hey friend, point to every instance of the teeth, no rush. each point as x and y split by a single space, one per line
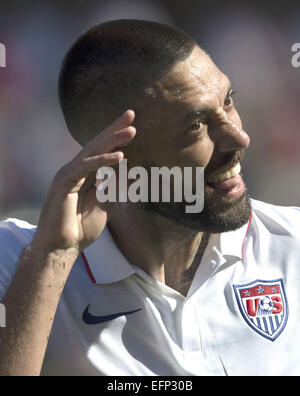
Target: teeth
225 175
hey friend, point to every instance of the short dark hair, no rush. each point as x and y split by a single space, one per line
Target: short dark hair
104 70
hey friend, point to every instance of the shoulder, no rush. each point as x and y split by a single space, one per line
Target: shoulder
15 235
16 229
277 219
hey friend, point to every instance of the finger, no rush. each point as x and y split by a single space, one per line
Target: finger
123 121
120 123
87 165
111 142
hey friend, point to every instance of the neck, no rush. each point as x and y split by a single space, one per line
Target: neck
167 252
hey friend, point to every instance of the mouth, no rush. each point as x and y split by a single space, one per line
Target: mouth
227 183
217 177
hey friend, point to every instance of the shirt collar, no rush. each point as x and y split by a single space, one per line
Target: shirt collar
106 263
232 243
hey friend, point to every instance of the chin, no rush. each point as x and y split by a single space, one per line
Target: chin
224 215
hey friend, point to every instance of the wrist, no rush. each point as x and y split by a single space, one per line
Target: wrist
59 261
48 249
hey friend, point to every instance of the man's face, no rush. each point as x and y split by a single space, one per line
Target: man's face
189 120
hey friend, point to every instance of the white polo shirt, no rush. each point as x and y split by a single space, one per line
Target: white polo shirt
240 317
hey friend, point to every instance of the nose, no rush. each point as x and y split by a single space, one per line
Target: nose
228 134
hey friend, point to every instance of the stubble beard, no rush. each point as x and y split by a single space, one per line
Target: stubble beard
219 214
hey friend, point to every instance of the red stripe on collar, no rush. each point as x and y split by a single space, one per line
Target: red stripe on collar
86 263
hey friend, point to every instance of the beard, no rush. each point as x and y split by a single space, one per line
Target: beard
219 214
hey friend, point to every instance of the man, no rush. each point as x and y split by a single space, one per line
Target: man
147 289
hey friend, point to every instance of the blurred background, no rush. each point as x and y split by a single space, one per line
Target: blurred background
250 41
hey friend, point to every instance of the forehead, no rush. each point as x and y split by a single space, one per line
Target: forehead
192 86
196 76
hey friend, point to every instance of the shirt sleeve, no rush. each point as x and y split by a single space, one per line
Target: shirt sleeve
15 235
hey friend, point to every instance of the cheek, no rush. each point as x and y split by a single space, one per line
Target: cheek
147 151
198 154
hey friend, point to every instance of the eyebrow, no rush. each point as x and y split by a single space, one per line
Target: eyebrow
203 111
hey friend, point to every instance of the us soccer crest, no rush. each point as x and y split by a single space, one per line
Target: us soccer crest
263 305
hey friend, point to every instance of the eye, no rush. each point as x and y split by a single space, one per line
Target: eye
229 100
197 126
